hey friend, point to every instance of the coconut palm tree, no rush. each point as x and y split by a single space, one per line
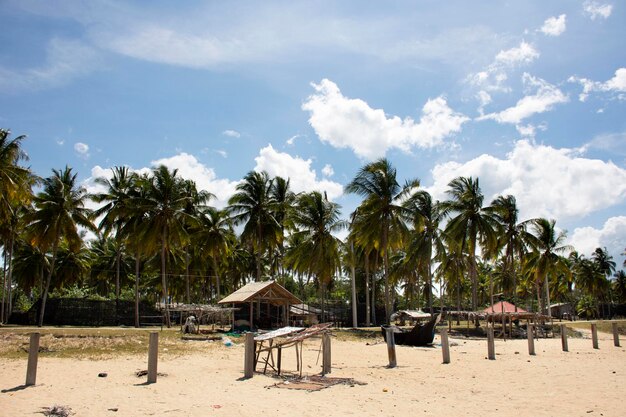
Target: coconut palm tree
472 225
165 202
252 205
619 285
318 250
381 211
545 262
59 210
283 203
426 235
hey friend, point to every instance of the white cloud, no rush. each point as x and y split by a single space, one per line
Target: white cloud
526 130
617 84
554 26
547 182
231 133
328 170
595 9
351 123
612 235
206 179
298 170
82 149
545 97
65 60
222 153
495 75
292 139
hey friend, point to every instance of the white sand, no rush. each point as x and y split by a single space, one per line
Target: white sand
581 382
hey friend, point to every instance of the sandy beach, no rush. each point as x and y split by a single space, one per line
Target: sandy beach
581 382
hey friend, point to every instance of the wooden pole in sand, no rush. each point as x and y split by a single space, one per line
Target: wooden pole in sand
491 347
594 335
391 347
564 338
615 334
33 355
248 361
326 354
153 357
445 347
531 339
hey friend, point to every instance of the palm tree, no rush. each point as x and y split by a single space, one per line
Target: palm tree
165 202
252 206
513 237
59 209
115 210
619 285
318 250
283 202
545 261
604 261
472 225
381 210
216 238
425 236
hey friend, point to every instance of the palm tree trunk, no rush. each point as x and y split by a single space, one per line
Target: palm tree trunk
137 289
4 284
10 279
458 300
386 274
353 286
44 297
217 279
429 279
367 292
548 313
187 275
164 284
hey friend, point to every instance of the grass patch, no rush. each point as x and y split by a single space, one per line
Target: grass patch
604 326
98 343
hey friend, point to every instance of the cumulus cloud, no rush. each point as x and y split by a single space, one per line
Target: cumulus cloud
545 97
231 133
298 170
554 26
616 85
495 75
547 182
612 235
351 123
595 10
65 60
82 149
328 170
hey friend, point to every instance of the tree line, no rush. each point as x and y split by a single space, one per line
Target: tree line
159 238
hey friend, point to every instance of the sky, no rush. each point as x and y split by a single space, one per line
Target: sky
529 97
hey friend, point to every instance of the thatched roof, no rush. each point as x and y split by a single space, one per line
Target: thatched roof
266 292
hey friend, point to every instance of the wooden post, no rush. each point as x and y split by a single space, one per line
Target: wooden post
594 335
615 334
248 362
445 347
564 338
326 354
531 339
491 347
391 347
153 355
33 355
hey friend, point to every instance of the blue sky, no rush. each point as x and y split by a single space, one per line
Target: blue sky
528 96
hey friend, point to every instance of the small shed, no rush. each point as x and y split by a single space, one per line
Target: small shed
304 314
411 316
504 307
562 310
268 303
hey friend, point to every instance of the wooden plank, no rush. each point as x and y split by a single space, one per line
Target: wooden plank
279 359
153 351
615 334
491 348
33 356
248 361
445 347
391 347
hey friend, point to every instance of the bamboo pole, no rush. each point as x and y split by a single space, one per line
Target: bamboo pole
248 363
564 338
33 356
391 347
153 352
594 335
615 334
445 347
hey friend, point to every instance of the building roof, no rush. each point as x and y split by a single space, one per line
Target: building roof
411 314
268 292
303 310
503 306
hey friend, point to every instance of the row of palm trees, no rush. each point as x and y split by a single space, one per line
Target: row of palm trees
157 233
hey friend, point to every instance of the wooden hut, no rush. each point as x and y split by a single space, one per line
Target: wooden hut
267 304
